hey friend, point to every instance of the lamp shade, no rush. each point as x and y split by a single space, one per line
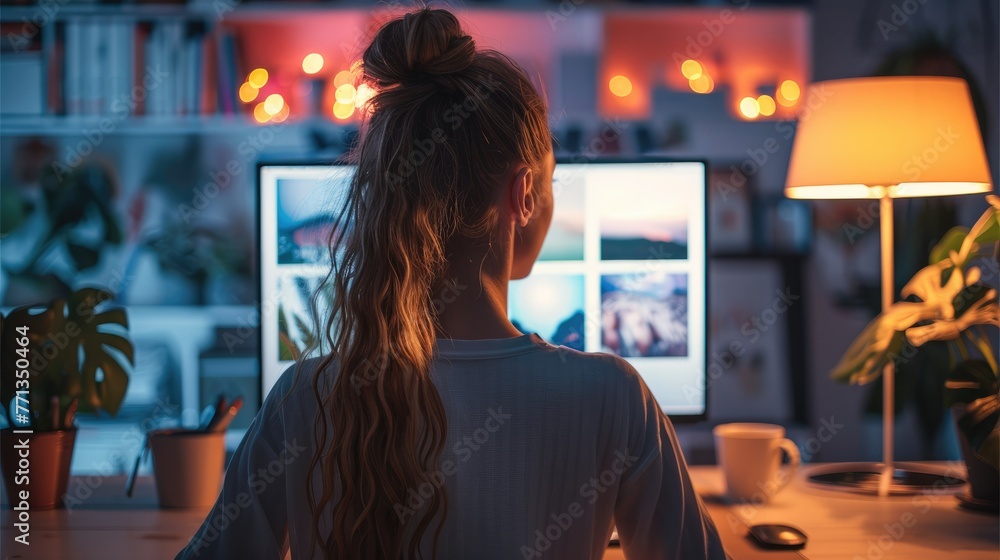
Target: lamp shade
895 136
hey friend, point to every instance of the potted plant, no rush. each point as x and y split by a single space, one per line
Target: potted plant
57 358
948 300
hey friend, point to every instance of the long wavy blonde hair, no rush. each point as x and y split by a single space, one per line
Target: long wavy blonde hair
446 123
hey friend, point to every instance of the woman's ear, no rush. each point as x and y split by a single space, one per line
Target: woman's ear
522 196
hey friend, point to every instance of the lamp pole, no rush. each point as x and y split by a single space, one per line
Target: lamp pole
889 371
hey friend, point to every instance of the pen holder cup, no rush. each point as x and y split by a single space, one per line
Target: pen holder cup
188 466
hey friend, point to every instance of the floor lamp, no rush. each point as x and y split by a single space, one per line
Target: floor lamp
885 138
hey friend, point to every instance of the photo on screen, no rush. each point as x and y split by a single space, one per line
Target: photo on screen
642 221
296 330
564 241
305 212
550 305
644 314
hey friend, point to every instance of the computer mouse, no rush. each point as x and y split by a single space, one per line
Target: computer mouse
778 536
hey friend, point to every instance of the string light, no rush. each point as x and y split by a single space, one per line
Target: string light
702 84
248 93
312 63
692 69
343 110
343 77
273 104
788 93
766 105
257 78
620 86
346 94
749 107
259 114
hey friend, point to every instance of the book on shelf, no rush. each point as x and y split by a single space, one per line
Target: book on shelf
22 70
123 68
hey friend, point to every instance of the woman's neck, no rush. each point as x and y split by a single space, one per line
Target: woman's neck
472 300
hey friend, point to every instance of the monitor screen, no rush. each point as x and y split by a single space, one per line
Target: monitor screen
622 270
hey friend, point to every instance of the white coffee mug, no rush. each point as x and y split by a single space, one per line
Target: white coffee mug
750 456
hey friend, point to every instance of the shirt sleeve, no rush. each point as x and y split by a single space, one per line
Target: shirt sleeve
657 512
250 517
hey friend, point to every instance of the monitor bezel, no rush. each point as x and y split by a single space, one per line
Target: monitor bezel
560 159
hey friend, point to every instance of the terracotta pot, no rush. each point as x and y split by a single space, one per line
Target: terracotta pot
47 466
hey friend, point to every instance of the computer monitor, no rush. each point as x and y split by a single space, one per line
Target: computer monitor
622 270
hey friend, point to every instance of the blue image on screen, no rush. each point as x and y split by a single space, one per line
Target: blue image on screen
305 214
550 305
644 314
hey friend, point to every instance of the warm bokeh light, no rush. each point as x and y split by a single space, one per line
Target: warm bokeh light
260 114
620 86
273 104
343 77
788 93
282 114
248 93
702 84
691 69
749 107
257 78
365 93
766 105
345 94
343 110
312 63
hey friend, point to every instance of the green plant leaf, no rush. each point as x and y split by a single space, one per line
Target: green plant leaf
878 343
115 316
112 388
991 230
951 241
970 381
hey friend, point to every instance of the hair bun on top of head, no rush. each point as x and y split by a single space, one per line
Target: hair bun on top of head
426 46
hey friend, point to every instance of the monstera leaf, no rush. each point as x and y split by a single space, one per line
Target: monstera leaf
100 332
77 353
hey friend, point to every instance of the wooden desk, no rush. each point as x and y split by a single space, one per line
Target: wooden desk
840 526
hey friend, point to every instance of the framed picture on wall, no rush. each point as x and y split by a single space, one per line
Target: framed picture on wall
748 325
730 219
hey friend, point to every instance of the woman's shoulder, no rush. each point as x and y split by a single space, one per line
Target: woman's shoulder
298 381
599 366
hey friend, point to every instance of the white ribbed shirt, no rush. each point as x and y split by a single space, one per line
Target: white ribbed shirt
547 449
